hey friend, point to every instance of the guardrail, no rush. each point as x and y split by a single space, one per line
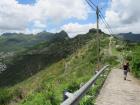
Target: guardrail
73 99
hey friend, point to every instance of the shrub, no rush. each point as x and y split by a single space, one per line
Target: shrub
73 87
119 48
87 100
5 96
136 67
111 60
36 99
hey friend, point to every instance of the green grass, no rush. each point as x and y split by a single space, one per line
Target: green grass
54 80
46 87
114 52
135 62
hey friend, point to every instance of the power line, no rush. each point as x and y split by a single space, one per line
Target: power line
105 22
109 29
93 4
106 26
101 15
94 8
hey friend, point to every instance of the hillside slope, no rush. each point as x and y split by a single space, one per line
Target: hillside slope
41 74
14 42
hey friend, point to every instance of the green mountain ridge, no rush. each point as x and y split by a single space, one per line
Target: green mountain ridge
131 37
14 42
40 74
32 60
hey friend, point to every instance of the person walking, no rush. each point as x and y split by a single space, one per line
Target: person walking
126 70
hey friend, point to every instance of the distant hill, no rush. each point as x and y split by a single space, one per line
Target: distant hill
129 37
16 42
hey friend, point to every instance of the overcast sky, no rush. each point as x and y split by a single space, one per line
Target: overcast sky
73 16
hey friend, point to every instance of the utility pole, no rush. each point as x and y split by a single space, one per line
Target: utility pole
110 45
98 39
96 8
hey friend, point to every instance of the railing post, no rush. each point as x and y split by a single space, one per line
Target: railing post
64 95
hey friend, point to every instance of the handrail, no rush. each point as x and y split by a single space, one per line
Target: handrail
75 97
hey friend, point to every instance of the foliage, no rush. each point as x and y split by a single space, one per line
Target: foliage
72 87
37 58
112 60
87 100
136 61
40 74
36 99
5 96
14 42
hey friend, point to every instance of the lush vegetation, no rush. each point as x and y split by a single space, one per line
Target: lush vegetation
130 53
135 62
14 42
39 75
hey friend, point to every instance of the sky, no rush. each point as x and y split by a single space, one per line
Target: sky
73 16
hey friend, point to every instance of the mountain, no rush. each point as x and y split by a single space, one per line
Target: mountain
34 59
40 74
129 37
16 42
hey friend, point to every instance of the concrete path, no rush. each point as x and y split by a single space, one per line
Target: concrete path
117 91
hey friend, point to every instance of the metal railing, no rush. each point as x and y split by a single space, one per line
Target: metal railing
73 99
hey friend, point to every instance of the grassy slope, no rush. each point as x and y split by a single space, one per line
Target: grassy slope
59 79
47 86
36 59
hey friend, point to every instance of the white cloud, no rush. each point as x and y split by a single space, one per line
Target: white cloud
75 28
124 16
16 17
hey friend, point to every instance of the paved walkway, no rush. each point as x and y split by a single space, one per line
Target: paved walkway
116 91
